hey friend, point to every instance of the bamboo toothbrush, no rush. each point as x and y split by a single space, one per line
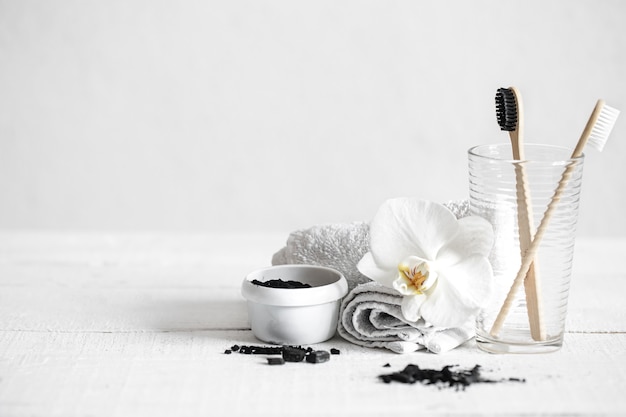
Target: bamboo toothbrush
596 134
510 114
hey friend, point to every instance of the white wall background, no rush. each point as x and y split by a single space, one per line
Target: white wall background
277 115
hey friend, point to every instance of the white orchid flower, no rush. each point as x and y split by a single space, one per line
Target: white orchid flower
438 263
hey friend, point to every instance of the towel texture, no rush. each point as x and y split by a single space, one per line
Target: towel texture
338 246
371 313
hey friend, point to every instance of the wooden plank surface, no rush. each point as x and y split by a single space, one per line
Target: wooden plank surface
187 373
136 325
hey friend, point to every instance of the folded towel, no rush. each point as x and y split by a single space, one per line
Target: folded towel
371 316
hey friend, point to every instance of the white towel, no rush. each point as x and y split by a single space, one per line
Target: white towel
338 246
371 316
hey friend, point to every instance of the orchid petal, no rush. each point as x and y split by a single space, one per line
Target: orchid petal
472 277
461 290
407 227
475 237
411 306
436 262
368 267
444 307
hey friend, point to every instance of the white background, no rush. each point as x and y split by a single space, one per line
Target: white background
277 115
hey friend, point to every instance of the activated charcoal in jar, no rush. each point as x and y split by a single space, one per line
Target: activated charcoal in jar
279 283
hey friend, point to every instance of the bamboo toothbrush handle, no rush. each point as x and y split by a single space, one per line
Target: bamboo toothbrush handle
526 226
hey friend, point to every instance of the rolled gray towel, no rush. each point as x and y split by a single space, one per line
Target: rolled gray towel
371 316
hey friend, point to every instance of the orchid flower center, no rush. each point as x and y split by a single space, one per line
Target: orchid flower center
415 276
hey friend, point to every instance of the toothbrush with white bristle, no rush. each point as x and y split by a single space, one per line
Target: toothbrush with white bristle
596 134
598 128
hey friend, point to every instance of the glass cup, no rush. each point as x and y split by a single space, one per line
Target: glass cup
533 208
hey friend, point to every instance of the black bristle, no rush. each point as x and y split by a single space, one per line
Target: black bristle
506 109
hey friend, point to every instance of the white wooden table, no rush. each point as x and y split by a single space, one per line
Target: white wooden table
137 325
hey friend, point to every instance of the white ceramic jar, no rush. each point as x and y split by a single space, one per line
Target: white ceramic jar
294 316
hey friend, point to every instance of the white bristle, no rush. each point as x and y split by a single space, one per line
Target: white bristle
602 127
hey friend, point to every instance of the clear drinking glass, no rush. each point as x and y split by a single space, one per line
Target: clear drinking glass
514 196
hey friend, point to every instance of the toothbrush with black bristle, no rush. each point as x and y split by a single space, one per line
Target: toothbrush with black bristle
596 134
509 112
510 115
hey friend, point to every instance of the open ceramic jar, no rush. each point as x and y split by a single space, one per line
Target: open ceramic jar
294 316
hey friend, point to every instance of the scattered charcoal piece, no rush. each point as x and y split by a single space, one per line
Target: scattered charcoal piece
414 372
442 378
275 361
387 365
268 350
288 353
293 354
401 377
279 283
260 350
318 356
245 350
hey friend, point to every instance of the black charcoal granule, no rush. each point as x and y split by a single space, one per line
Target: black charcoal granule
318 356
279 283
288 353
445 377
293 354
275 361
260 350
